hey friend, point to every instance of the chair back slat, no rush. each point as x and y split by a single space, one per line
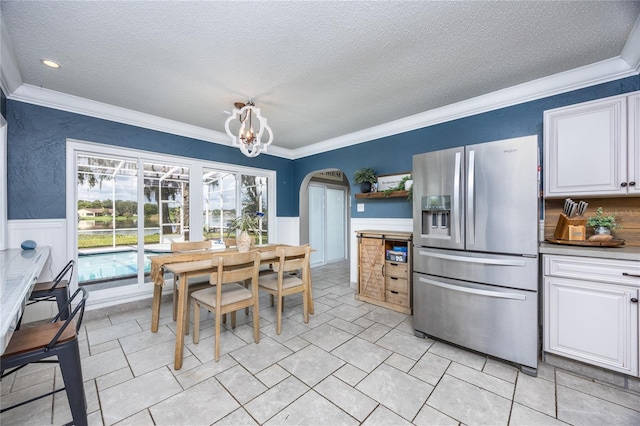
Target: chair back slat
68 268
78 312
234 267
293 258
190 245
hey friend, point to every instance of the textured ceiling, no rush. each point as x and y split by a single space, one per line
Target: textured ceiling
318 70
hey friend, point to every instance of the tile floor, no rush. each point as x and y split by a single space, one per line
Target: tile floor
353 363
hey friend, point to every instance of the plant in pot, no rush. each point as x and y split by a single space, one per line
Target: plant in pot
365 177
603 224
248 222
402 186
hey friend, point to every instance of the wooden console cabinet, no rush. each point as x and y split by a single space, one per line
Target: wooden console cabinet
380 281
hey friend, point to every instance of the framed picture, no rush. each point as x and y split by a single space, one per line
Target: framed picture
390 181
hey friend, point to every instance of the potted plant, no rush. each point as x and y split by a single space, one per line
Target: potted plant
244 224
365 177
602 224
405 184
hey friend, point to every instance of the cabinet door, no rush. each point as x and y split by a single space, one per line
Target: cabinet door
633 151
585 150
371 278
592 322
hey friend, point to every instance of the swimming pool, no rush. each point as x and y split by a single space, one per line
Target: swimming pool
110 265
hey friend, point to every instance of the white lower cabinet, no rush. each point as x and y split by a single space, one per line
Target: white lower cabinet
591 311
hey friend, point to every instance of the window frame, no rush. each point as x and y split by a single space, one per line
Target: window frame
196 222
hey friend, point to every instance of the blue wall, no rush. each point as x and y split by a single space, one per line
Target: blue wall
36 157
394 154
36 151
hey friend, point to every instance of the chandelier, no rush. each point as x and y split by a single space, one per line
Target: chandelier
248 139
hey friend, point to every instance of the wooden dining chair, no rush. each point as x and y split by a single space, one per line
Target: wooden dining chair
227 294
195 283
292 267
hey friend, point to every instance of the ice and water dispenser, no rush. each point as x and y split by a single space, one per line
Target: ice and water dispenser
436 214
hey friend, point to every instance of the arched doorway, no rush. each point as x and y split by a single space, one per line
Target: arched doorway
324 197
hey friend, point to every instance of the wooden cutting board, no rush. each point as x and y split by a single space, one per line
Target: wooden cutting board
609 243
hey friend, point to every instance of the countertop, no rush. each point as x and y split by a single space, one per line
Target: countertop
19 270
623 252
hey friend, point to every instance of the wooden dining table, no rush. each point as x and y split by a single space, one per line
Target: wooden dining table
192 264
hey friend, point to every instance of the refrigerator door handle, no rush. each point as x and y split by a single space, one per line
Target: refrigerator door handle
471 214
457 214
479 292
469 259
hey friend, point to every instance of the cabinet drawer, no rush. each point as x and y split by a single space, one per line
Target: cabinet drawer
396 269
401 285
397 298
593 269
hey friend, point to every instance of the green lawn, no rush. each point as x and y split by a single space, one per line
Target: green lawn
91 241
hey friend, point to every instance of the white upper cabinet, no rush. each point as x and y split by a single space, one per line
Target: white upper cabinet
591 149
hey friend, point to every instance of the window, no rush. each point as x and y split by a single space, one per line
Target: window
128 205
254 199
220 203
166 202
107 210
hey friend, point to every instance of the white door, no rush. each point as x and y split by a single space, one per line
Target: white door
336 224
327 223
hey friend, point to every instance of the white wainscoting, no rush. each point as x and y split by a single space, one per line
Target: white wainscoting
45 232
52 232
288 230
383 224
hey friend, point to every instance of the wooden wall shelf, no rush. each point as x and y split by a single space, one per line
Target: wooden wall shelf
394 194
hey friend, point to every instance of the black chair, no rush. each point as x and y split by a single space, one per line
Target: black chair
55 339
57 289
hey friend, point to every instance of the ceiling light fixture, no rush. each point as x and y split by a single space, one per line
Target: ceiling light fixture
247 139
50 63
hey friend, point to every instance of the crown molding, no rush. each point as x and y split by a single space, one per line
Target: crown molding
625 65
10 78
601 72
631 50
61 101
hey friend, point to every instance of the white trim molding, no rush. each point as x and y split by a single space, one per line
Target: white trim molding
625 65
10 78
3 184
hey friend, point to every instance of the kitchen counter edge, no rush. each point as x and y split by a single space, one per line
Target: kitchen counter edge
619 253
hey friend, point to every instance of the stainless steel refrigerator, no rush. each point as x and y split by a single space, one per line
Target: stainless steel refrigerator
475 260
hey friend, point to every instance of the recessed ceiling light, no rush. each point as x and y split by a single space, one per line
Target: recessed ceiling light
50 63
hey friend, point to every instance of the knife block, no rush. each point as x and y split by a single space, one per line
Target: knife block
562 228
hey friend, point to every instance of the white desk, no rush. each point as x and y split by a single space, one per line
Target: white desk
19 270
